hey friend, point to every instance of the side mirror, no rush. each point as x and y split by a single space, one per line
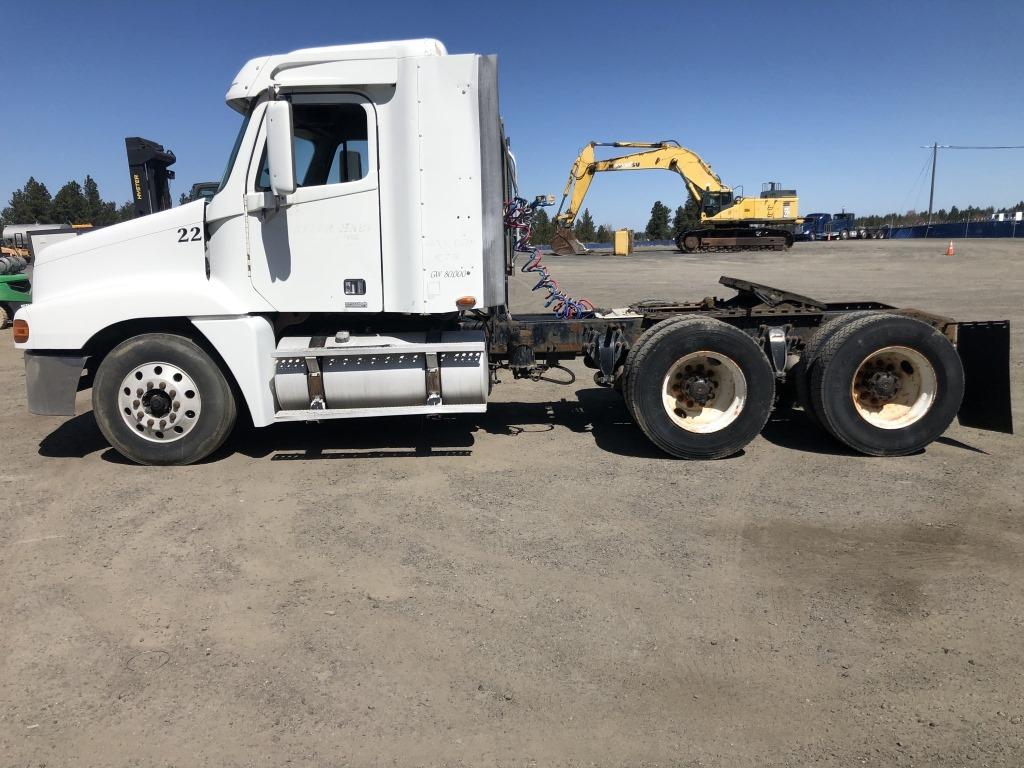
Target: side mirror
280 154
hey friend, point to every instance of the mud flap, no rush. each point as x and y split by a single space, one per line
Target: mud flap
984 349
52 381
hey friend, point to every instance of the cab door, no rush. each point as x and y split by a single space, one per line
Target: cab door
318 249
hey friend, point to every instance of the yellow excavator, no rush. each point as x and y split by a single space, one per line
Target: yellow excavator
729 221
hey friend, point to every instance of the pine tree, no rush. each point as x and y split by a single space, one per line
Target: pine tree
603 235
686 217
584 229
658 227
93 201
69 206
30 204
542 229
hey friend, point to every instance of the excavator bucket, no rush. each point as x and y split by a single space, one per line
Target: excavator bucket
564 243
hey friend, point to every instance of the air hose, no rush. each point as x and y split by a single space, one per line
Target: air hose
519 219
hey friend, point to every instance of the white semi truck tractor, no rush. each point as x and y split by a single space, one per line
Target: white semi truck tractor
354 263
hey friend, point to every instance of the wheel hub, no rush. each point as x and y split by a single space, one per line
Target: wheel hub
699 388
894 387
159 402
883 384
704 392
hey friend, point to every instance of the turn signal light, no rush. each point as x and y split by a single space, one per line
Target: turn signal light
465 302
20 331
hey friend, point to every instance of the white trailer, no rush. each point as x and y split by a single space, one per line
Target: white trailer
354 263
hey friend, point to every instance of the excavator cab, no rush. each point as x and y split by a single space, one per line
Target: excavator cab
713 203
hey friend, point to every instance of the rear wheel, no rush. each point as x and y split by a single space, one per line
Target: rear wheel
887 385
698 388
5 317
161 399
804 368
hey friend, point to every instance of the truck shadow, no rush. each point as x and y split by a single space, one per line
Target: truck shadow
793 429
596 411
599 412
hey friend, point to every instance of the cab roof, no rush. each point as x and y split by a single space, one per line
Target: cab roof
259 74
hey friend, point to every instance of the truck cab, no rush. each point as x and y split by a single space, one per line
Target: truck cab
829 226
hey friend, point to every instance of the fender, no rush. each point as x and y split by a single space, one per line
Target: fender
245 345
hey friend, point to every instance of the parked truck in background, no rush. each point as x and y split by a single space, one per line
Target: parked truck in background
836 226
354 262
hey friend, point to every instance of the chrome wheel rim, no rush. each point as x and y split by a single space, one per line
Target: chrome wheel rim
704 392
159 402
894 387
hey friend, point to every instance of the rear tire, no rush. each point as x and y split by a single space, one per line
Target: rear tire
698 388
887 385
161 399
804 368
5 317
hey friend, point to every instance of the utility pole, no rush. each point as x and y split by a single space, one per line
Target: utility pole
931 196
934 147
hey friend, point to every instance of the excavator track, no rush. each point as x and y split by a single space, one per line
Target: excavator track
718 240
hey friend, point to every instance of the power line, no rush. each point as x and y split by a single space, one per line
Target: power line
935 147
965 146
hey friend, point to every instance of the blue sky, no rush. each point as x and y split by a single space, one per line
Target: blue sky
834 100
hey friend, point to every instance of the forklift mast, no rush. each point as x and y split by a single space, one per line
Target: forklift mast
148 163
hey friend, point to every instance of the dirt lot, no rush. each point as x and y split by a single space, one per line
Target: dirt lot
534 586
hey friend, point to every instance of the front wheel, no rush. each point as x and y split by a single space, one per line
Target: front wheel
698 388
161 399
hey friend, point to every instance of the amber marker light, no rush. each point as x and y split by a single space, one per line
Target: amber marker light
20 331
465 302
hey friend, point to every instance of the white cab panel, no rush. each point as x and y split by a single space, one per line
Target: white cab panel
301 254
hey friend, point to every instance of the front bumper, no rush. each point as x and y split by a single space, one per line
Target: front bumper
52 380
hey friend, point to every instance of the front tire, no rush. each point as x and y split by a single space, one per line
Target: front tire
887 385
161 399
698 388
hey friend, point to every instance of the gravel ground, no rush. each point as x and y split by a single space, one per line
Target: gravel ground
533 586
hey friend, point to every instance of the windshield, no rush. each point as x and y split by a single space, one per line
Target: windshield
234 149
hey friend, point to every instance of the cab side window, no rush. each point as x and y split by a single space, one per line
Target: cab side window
331 145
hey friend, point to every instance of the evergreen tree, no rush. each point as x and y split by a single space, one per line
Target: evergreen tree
126 212
30 204
69 206
686 217
658 227
542 229
603 235
584 229
99 211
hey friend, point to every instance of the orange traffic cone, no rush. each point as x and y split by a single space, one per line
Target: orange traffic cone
950 251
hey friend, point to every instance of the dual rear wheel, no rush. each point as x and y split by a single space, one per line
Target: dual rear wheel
698 388
882 384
